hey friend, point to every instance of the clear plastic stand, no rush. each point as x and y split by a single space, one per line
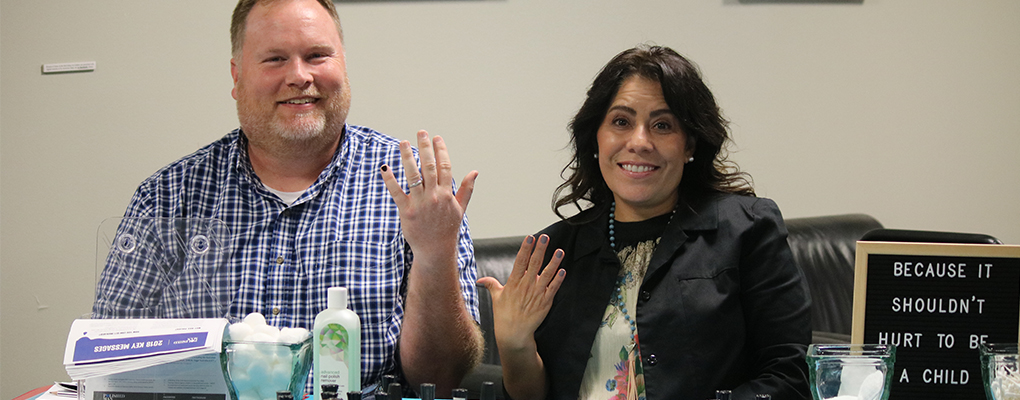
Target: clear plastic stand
162 268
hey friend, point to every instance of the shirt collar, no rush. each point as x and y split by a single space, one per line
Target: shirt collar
698 215
242 163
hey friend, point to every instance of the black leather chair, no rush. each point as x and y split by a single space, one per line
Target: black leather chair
824 247
903 235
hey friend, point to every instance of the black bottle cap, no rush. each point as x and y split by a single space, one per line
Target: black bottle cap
394 392
459 393
722 394
284 395
384 384
428 391
763 396
330 391
354 395
488 391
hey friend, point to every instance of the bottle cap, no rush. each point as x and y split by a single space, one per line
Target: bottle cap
330 391
380 391
284 395
354 395
488 391
395 392
336 297
761 396
460 393
428 391
722 394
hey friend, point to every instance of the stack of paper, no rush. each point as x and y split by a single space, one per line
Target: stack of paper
98 347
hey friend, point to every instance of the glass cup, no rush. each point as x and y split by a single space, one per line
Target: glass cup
850 371
258 370
1000 370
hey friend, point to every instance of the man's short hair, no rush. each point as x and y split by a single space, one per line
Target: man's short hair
239 21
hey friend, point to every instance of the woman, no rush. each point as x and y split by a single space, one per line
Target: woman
676 281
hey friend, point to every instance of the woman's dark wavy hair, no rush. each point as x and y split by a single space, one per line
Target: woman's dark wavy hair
690 101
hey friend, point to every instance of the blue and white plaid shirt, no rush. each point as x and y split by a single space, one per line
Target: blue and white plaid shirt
343 231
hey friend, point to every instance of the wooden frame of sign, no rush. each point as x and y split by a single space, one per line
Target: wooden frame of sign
936 303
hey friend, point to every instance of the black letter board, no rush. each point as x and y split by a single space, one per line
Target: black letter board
936 303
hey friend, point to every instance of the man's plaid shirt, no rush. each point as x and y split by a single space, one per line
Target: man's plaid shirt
343 231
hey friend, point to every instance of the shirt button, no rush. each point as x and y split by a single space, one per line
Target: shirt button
652 360
276 311
279 260
645 295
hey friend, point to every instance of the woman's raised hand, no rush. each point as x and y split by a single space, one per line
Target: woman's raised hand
519 307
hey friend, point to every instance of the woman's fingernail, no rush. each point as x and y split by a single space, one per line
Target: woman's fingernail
559 253
530 239
384 168
544 239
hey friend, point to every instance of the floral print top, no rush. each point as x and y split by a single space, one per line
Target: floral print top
614 367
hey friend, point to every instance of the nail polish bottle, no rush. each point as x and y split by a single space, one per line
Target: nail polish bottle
395 392
329 391
428 391
488 391
384 385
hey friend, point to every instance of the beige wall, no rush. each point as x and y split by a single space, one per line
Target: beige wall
902 109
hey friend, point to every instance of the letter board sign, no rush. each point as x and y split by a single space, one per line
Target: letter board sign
936 303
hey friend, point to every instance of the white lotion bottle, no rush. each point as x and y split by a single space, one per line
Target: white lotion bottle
337 345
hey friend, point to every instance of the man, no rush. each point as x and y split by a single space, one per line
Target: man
312 202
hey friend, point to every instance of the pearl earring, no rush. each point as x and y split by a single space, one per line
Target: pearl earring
690 160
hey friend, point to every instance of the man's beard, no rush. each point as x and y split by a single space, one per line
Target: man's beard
312 131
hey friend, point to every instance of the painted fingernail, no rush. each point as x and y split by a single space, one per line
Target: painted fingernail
561 272
384 168
530 239
544 239
559 253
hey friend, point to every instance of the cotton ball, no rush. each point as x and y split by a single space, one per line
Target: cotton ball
283 355
271 354
260 372
293 335
270 331
871 386
261 337
240 332
281 376
243 355
853 374
240 380
255 320
239 372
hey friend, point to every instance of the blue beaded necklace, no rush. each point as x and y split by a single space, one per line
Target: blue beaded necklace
621 303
